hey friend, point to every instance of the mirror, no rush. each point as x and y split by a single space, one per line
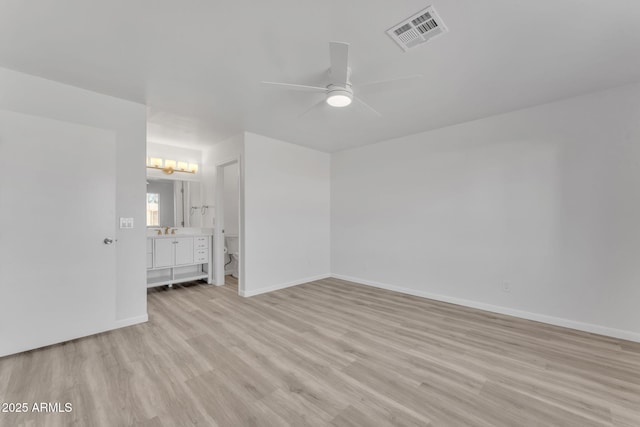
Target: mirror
172 203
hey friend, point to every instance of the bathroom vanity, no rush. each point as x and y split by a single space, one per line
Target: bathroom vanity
178 258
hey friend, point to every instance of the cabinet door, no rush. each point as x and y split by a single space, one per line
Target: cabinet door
184 250
163 253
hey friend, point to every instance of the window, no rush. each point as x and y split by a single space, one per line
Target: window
153 216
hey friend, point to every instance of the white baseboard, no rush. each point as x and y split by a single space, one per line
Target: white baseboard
264 290
106 328
131 321
557 321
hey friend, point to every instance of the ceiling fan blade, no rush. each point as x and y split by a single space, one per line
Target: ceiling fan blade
301 88
339 53
313 107
367 106
391 84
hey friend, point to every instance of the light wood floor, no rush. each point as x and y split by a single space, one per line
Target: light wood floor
327 353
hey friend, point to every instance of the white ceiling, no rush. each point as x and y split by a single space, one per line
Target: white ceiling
198 64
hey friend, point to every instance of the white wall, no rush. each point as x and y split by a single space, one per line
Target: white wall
286 205
38 97
545 199
131 301
173 152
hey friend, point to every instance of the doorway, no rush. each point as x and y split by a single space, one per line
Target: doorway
229 227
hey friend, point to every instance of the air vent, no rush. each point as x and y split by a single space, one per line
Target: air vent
417 29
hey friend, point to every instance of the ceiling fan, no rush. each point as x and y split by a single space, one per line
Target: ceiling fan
340 91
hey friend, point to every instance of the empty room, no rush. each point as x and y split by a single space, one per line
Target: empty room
320 213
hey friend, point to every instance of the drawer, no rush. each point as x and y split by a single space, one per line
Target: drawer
201 255
150 260
201 242
149 246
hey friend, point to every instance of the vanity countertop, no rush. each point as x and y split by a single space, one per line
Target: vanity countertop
180 232
168 236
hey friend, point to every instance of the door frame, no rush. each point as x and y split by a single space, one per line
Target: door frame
218 232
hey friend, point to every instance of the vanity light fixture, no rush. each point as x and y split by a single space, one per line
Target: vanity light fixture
170 166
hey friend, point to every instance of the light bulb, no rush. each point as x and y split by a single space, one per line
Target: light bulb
338 100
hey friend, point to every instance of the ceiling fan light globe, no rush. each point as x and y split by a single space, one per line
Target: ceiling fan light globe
338 100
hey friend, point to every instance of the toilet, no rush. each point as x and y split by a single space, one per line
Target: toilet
235 258
231 249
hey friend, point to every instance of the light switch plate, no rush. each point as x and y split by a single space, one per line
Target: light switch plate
126 222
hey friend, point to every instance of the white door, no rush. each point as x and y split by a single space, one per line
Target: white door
57 207
184 250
